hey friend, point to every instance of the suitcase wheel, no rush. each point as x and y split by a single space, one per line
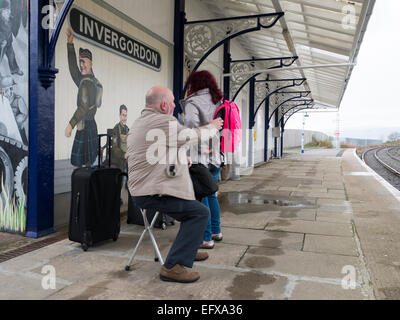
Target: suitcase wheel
172 223
85 247
156 259
164 226
115 237
127 268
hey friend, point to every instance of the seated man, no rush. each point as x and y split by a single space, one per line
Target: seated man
159 178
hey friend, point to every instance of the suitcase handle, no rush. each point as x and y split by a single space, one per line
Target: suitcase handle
109 142
78 198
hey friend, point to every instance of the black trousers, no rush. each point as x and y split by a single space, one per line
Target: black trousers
193 216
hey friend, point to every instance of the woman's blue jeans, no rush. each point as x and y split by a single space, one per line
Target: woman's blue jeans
213 226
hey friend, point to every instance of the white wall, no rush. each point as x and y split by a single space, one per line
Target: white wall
156 15
292 137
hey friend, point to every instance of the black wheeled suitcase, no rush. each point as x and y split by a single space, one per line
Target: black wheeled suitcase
135 216
95 203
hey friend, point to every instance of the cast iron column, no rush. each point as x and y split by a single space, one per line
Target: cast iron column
275 138
179 27
282 132
40 216
266 129
251 121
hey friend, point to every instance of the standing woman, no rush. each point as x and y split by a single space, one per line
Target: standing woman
199 108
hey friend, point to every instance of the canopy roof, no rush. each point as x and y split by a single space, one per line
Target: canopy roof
318 32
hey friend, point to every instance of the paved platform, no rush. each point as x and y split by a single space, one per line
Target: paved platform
297 228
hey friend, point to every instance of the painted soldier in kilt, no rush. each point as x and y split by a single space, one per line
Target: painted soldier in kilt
85 147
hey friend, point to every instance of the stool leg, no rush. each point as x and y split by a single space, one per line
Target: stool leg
158 256
135 250
139 242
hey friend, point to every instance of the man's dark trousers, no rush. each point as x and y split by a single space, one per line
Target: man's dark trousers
193 216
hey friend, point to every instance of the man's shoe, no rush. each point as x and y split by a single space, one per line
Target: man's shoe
201 256
178 274
207 245
217 237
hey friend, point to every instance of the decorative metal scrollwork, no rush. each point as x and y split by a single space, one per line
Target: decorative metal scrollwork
287 96
198 39
203 37
261 91
240 71
294 110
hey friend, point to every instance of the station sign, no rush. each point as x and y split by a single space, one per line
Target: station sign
99 33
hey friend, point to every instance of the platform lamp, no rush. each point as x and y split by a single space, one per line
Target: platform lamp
302 134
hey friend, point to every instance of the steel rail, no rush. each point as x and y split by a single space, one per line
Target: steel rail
385 165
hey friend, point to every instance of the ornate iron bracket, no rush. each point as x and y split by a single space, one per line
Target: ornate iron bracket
300 94
288 116
239 81
288 109
285 85
203 37
47 72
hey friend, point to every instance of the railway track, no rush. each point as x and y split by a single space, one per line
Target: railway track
384 161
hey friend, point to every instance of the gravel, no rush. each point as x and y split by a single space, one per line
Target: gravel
390 177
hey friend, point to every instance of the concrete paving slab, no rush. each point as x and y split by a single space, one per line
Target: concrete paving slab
252 221
329 196
333 219
312 227
268 188
299 263
143 283
78 266
259 238
330 244
298 214
333 216
307 290
35 258
20 286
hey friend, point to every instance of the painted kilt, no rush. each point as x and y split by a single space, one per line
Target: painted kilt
86 144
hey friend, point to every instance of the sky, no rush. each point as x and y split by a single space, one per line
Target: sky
371 105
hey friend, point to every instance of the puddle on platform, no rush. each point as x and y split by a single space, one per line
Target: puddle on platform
245 286
242 203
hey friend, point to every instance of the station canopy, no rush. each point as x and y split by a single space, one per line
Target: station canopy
320 33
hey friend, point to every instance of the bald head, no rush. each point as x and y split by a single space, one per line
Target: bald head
161 99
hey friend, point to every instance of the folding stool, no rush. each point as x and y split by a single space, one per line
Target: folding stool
147 228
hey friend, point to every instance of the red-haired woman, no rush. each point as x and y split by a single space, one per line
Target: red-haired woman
199 108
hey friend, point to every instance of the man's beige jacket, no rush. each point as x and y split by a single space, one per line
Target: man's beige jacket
157 162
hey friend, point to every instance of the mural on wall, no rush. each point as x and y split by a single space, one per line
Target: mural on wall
90 93
14 115
90 29
119 138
